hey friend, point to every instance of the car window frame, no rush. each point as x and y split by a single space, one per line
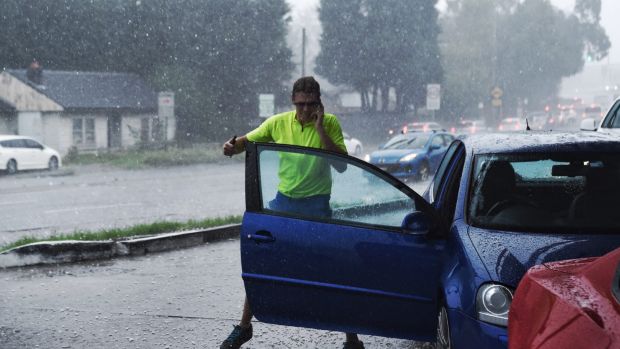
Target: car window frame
254 197
612 116
441 169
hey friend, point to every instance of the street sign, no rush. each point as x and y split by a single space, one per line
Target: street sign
266 105
497 92
433 96
165 105
496 102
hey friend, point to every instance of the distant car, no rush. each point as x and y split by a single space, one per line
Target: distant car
610 123
423 126
354 146
19 153
412 155
468 127
511 124
557 303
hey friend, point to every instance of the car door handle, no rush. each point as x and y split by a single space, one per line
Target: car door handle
261 236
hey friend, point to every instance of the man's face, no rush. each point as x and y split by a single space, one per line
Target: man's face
306 104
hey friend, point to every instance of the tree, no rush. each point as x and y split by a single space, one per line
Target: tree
217 55
378 46
524 47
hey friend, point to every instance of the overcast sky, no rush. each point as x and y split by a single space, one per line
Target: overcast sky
304 14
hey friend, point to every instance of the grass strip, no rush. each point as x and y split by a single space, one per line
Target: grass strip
136 230
144 158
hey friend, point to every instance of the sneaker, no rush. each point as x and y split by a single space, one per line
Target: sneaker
353 345
237 337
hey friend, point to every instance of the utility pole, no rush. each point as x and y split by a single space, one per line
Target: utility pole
303 52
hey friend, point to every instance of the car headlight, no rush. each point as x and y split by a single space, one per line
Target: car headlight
492 304
408 158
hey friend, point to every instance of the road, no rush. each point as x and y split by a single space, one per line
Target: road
187 298
97 197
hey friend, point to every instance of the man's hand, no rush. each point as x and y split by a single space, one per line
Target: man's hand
229 147
318 116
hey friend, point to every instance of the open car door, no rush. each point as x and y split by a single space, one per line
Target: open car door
371 267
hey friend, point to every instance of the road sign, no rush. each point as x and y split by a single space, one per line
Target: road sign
266 105
497 92
165 104
496 102
433 96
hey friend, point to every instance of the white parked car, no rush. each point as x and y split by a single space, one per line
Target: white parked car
354 146
19 153
610 123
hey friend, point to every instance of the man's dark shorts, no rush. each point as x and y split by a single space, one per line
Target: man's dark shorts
314 206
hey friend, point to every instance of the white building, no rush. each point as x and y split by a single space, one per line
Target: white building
89 110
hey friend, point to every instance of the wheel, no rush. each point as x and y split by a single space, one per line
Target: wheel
11 167
358 150
424 172
443 330
52 164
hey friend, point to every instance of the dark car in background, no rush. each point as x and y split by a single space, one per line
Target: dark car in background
441 267
412 155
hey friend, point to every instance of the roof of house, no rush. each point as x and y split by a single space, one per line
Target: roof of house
93 90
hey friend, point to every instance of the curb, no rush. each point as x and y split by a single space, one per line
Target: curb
70 251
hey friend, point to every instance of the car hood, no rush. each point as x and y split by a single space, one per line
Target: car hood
391 155
508 255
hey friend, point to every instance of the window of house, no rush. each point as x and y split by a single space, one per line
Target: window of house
84 131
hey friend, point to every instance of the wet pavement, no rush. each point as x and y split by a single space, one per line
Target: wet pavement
186 298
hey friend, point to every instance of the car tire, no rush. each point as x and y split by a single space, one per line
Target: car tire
11 167
424 172
443 330
358 150
52 165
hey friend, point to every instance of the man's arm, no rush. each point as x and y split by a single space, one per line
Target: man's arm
237 147
326 141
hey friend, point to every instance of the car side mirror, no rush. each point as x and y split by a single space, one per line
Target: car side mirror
417 223
588 124
434 147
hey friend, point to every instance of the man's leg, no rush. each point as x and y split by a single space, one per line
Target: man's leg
353 342
246 317
242 332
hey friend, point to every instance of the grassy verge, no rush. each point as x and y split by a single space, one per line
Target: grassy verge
136 230
141 158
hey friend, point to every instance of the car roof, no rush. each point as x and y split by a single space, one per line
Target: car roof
536 141
9 137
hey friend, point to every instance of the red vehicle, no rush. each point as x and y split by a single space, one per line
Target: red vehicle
568 304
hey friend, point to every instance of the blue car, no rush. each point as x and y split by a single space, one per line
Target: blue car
441 267
412 155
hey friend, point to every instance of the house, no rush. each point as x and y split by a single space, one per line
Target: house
88 110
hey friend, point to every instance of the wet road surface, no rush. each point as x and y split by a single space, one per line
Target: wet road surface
187 298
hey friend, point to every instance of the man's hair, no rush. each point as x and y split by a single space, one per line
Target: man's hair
306 84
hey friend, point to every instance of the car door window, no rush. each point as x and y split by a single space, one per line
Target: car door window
319 185
437 141
18 143
32 144
447 140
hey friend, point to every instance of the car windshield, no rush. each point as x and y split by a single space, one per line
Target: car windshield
407 141
546 192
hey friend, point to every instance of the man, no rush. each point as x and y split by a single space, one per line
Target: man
306 126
